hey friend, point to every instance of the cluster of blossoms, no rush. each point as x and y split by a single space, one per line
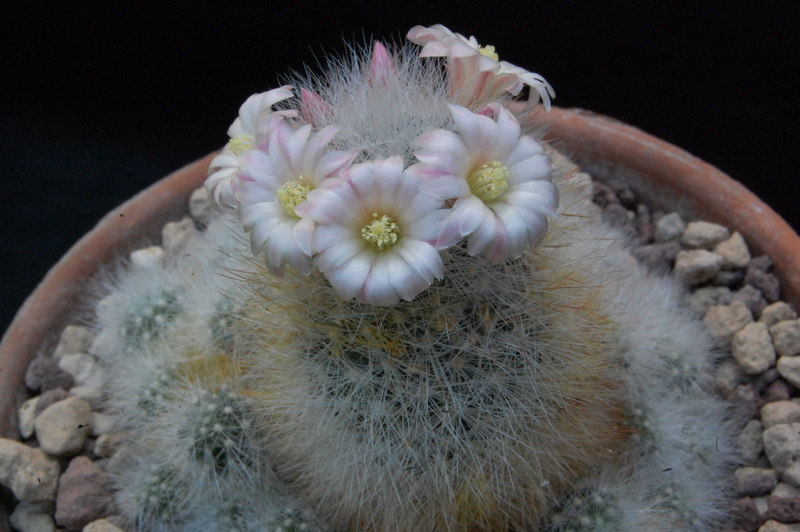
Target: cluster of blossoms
376 229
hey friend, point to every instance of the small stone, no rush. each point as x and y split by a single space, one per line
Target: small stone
762 262
89 377
782 446
730 278
746 400
746 513
74 339
749 443
101 525
669 227
752 298
31 475
44 374
63 427
775 526
786 337
179 237
704 235
602 195
780 412
789 369
644 223
50 397
777 391
29 517
626 195
150 257
783 509
769 285
660 255
723 321
696 265
706 297
755 481
616 214
27 414
785 490
200 206
778 311
752 348
734 252
83 494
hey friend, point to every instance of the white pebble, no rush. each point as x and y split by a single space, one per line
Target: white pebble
734 252
786 337
62 428
705 235
752 348
782 446
31 475
696 265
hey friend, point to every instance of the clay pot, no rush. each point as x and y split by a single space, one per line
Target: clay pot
664 175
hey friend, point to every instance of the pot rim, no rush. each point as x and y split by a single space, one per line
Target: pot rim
599 144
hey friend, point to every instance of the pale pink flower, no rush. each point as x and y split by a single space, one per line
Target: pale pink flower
376 231
248 131
500 182
295 163
476 74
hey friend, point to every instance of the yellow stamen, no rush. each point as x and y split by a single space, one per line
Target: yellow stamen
381 232
489 52
292 194
489 181
241 143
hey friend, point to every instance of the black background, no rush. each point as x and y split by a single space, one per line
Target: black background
100 100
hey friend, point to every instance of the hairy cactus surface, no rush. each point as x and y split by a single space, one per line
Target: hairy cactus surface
407 315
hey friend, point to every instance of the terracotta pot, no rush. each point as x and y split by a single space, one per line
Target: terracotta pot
665 176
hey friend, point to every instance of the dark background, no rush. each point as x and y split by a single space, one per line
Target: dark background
102 100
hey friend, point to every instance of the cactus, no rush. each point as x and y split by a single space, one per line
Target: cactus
437 332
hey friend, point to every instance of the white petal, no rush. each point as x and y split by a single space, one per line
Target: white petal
378 288
348 279
536 167
470 212
303 232
326 236
507 135
484 235
332 164
516 230
296 146
446 187
526 148
542 198
337 254
328 205
423 258
425 227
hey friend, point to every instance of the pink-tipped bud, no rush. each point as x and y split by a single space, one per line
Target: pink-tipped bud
313 108
382 65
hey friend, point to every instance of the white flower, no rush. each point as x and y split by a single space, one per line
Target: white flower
295 163
248 131
376 232
476 73
500 181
